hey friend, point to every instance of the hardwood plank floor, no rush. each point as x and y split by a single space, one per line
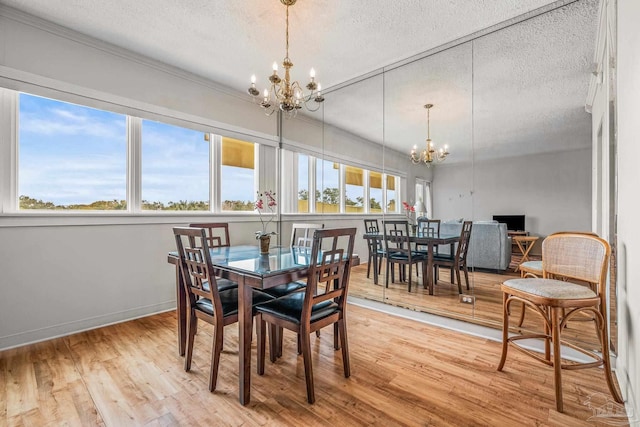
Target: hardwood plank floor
403 373
486 311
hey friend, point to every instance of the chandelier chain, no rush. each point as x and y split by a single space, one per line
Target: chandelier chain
287 32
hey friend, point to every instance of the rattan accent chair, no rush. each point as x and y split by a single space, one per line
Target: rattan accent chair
571 257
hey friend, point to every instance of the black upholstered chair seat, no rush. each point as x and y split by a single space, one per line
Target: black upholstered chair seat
414 256
449 258
290 308
283 290
229 301
223 284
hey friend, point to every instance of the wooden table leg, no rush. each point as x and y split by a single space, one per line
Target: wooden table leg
245 301
429 275
181 312
375 267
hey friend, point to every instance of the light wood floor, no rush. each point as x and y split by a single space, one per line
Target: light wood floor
403 373
486 311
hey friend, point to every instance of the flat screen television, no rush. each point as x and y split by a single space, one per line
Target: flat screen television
514 222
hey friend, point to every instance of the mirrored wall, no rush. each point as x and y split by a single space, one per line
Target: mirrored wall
509 104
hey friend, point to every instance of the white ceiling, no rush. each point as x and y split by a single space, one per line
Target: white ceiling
228 41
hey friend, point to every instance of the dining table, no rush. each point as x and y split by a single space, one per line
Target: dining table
252 270
430 240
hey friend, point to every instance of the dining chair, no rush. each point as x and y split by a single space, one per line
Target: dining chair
217 237
456 262
322 303
301 237
399 250
302 234
427 227
205 301
573 257
375 248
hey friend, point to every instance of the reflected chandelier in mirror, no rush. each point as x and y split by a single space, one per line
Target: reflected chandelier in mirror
429 154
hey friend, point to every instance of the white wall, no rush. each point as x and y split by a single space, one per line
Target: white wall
58 276
628 75
553 191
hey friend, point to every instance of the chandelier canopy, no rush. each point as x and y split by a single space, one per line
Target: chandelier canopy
283 94
429 154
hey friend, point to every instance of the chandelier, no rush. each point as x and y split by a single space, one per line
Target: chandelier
429 154
283 94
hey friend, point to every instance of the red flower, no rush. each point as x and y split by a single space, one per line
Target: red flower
268 197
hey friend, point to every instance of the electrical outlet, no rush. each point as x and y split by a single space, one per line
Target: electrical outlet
467 299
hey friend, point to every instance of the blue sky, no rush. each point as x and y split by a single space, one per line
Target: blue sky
74 154
70 154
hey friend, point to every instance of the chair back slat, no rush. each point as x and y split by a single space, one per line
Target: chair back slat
396 237
428 227
196 267
302 234
371 226
463 244
328 278
217 233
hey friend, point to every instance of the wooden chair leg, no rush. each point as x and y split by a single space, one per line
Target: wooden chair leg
304 337
260 332
387 276
557 357
215 355
299 345
410 274
192 321
521 320
606 358
345 347
336 336
466 275
505 331
459 281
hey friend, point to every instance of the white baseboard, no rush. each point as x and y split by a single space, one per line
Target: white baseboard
64 329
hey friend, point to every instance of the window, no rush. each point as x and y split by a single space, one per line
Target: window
328 177
392 193
70 157
175 168
354 190
303 183
375 192
237 175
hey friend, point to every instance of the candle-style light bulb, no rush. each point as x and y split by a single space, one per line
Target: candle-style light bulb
312 74
266 94
275 67
253 79
319 88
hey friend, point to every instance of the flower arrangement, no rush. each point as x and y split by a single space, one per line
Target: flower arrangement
265 201
409 210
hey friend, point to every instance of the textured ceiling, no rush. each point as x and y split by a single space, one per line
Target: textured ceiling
228 41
